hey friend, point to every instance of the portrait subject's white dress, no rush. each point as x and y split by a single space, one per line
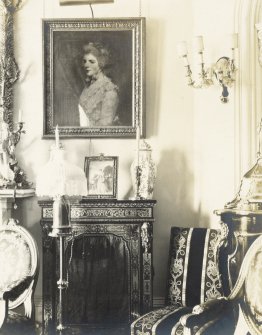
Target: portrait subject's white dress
98 103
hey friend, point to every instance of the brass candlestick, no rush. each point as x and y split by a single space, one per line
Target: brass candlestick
61 229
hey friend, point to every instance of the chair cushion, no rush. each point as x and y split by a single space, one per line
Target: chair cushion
158 322
217 317
18 262
193 275
15 259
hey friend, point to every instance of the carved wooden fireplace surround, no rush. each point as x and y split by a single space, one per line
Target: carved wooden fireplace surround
108 261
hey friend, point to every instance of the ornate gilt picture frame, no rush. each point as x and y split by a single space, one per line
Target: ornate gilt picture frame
101 174
94 77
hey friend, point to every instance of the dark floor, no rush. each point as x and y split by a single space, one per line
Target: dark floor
92 331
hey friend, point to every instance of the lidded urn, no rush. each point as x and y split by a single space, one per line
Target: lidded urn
143 172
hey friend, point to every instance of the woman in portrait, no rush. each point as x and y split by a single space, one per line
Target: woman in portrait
99 100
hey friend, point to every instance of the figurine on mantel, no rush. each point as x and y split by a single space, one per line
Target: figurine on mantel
11 175
6 174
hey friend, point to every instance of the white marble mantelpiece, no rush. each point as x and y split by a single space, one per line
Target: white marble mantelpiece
7 200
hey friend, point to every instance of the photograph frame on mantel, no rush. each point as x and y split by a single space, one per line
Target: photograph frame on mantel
106 101
101 174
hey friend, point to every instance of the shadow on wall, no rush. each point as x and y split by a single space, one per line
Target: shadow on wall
174 191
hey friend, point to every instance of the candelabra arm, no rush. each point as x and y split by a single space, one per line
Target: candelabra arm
225 94
224 71
190 81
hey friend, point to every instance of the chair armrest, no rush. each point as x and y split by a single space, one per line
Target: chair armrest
14 292
206 312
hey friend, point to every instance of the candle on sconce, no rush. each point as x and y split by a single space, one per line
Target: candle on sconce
199 43
20 116
233 40
57 136
185 60
182 48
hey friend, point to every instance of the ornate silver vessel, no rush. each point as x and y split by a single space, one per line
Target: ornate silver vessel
249 196
143 172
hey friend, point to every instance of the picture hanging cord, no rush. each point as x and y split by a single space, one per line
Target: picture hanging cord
90 149
140 8
91 8
90 5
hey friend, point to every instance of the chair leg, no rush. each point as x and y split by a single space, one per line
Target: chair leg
3 311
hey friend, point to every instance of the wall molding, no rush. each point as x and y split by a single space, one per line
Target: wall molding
259 36
248 85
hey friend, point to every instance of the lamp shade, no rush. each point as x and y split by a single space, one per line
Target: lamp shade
60 177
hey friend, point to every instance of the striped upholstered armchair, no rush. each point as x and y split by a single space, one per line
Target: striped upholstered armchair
219 316
193 278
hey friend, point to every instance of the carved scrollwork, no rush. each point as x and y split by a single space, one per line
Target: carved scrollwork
133 231
224 230
46 228
47 213
9 72
79 212
146 235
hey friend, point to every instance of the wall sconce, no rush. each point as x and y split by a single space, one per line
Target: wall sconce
223 70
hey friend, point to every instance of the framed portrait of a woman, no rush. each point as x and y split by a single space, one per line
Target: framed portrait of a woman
94 77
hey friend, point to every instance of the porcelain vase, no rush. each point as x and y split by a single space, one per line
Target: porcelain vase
143 173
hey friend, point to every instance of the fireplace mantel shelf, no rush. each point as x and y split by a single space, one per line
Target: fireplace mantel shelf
17 193
8 198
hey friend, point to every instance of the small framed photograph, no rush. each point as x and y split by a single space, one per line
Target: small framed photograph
101 175
94 77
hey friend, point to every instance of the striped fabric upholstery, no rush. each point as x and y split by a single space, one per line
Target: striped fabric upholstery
193 278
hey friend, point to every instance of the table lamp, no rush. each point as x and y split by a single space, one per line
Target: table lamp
61 181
